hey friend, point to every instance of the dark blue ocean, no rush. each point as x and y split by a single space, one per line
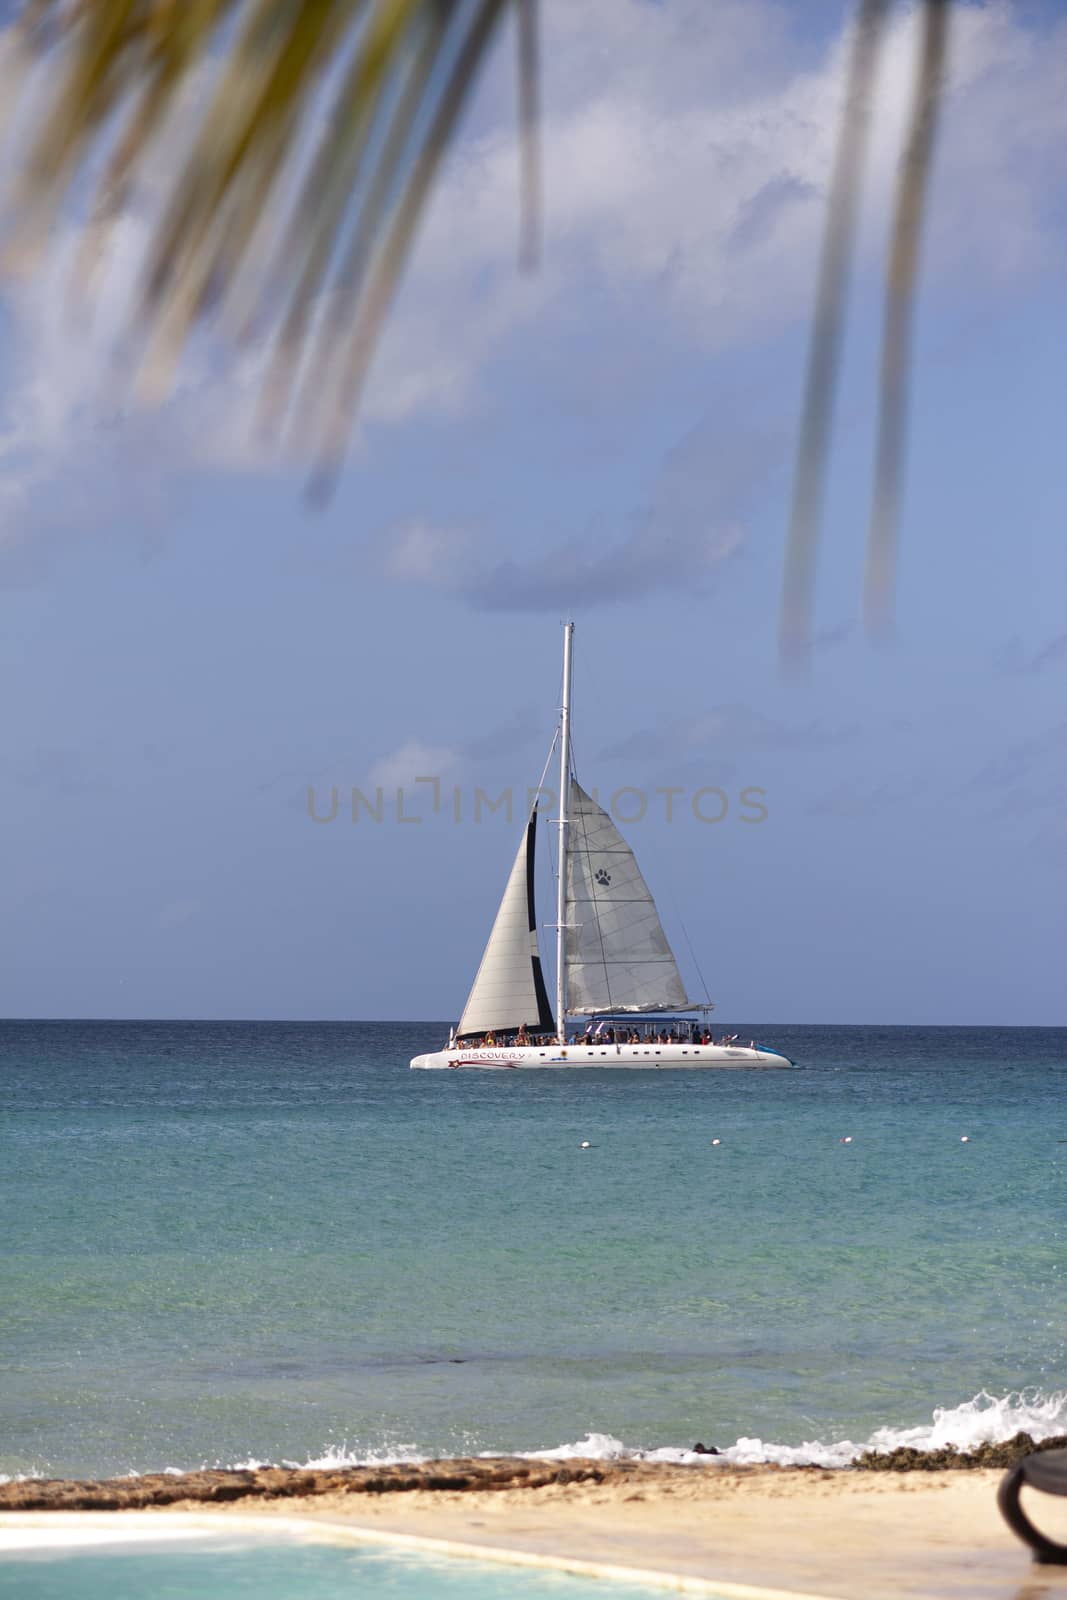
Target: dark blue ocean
274 1242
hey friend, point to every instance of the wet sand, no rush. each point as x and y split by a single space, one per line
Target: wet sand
845 1535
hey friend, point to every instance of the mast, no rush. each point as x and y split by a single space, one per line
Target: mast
564 795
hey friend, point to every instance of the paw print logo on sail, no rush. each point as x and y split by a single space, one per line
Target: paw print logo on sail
602 877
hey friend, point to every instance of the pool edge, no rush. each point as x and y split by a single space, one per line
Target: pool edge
323 1530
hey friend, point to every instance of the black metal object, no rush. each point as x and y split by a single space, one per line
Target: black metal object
1047 1471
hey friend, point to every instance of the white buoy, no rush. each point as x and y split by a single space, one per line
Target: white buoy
585 1145
716 1141
846 1140
965 1138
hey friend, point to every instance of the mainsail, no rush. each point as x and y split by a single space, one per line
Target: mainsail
509 989
618 958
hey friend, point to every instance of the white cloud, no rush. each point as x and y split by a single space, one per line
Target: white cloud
692 524
412 760
75 446
687 150
732 730
686 154
419 552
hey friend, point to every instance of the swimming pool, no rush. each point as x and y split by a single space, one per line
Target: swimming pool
99 1560
280 1572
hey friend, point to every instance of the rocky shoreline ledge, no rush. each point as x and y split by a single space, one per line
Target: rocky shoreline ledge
462 1474
949 1459
282 1483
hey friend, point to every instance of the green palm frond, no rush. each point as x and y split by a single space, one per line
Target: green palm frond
824 355
905 236
311 132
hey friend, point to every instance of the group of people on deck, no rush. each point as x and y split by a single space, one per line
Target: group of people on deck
678 1034
601 1035
509 1037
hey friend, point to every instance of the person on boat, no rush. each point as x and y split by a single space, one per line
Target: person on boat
490 1039
520 1037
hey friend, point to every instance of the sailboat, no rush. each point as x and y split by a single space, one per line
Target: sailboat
620 998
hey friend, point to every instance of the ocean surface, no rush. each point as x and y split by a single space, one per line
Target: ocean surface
225 1243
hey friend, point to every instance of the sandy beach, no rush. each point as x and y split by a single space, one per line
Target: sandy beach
814 1533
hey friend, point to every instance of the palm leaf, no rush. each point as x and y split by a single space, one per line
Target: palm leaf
313 132
906 233
825 349
301 224
327 197
346 379
798 588
529 129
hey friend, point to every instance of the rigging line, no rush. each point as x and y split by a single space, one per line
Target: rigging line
553 854
544 773
692 952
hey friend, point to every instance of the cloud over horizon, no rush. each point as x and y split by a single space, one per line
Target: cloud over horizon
686 155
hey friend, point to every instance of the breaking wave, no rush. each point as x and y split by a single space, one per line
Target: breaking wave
986 1419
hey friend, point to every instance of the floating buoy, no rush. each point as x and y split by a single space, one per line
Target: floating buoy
716 1141
585 1145
965 1138
846 1140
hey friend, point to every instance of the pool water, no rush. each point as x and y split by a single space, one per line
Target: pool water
228 1570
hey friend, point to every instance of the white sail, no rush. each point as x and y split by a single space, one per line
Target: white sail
509 989
618 958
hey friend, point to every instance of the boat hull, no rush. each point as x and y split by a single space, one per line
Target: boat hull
507 1058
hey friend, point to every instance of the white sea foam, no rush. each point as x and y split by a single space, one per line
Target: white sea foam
341 1456
333 1457
986 1419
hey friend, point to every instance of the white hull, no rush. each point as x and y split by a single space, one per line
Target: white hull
646 1056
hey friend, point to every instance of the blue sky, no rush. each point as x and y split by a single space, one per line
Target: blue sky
188 648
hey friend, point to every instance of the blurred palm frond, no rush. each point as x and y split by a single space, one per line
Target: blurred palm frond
905 234
302 138
296 143
813 448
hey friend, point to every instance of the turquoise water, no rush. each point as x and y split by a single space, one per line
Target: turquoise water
286 1572
274 1242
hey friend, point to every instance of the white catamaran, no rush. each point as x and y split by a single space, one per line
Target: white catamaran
620 999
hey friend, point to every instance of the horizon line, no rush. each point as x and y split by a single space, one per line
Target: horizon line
415 1022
